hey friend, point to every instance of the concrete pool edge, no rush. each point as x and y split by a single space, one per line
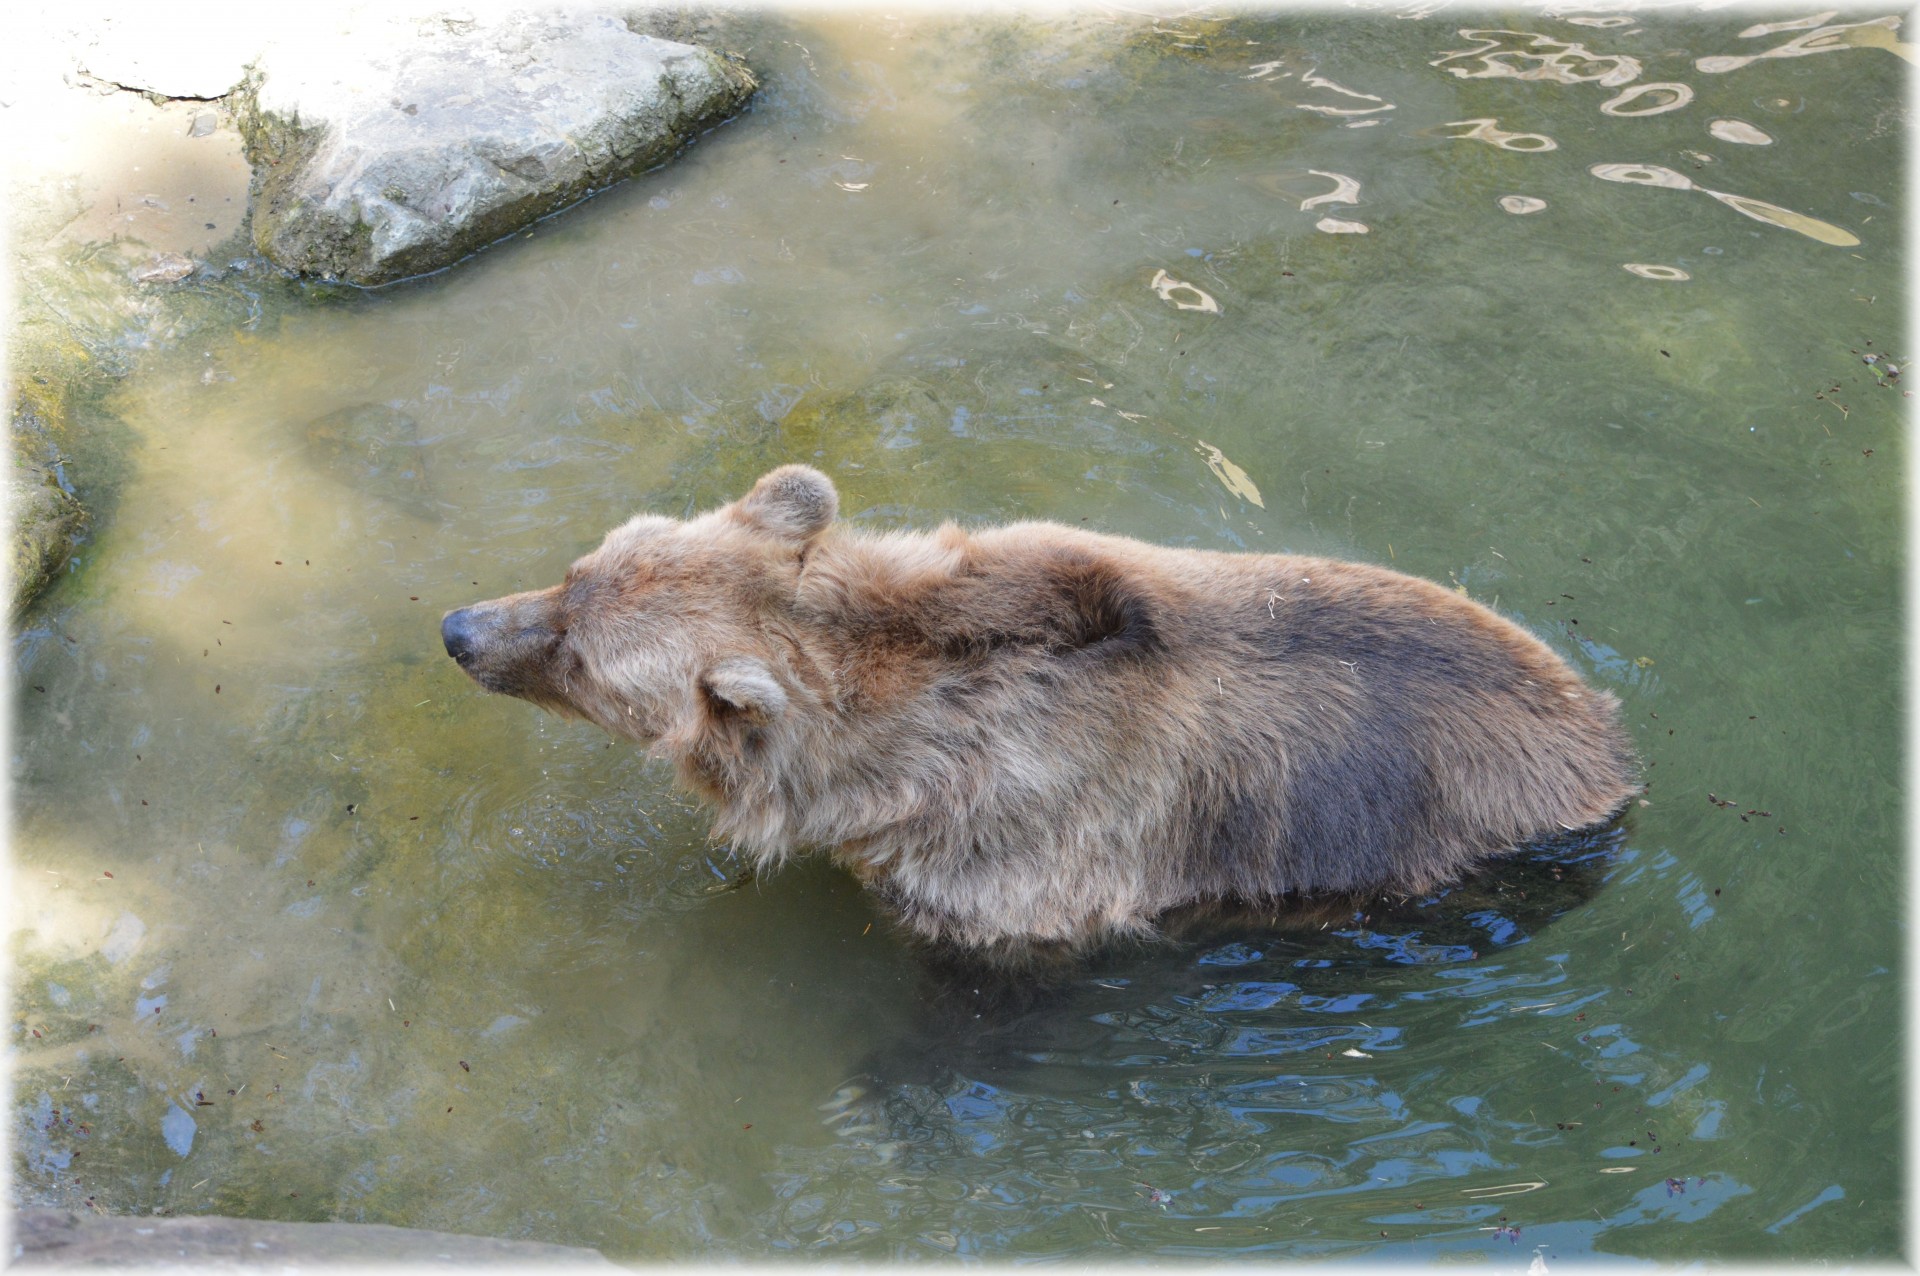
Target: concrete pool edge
49 1237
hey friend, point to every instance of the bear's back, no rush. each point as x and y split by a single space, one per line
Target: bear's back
1180 724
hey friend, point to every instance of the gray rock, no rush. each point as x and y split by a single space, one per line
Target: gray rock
397 152
165 268
49 1237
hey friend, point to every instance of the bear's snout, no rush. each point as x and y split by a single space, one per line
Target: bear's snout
458 631
508 646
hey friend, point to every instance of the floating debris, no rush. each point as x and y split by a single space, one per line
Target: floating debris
1521 205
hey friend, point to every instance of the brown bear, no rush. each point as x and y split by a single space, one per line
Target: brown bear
1038 733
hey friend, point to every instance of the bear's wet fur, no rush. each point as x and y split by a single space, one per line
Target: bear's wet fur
1039 734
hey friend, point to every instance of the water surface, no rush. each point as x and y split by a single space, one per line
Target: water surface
308 928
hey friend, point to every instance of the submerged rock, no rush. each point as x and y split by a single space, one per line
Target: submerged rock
46 519
376 449
46 522
396 154
165 268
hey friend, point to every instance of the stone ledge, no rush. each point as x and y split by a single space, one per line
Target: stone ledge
59 1238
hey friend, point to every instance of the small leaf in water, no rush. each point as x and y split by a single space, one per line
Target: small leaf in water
1230 475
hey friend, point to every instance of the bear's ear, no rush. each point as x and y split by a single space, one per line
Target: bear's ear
741 686
795 502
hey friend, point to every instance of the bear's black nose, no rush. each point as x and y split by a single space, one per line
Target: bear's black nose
456 631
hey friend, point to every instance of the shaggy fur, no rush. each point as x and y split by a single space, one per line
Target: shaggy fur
1034 732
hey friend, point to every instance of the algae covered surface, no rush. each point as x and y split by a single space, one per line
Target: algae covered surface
1562 313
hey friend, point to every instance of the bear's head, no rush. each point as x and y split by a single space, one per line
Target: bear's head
669 632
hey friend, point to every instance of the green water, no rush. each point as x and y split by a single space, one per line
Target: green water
433 959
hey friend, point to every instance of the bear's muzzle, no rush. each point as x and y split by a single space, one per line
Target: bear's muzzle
508 645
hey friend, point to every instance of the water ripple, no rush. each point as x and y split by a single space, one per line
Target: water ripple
1759 210
1666 97
1487 129
1872 33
